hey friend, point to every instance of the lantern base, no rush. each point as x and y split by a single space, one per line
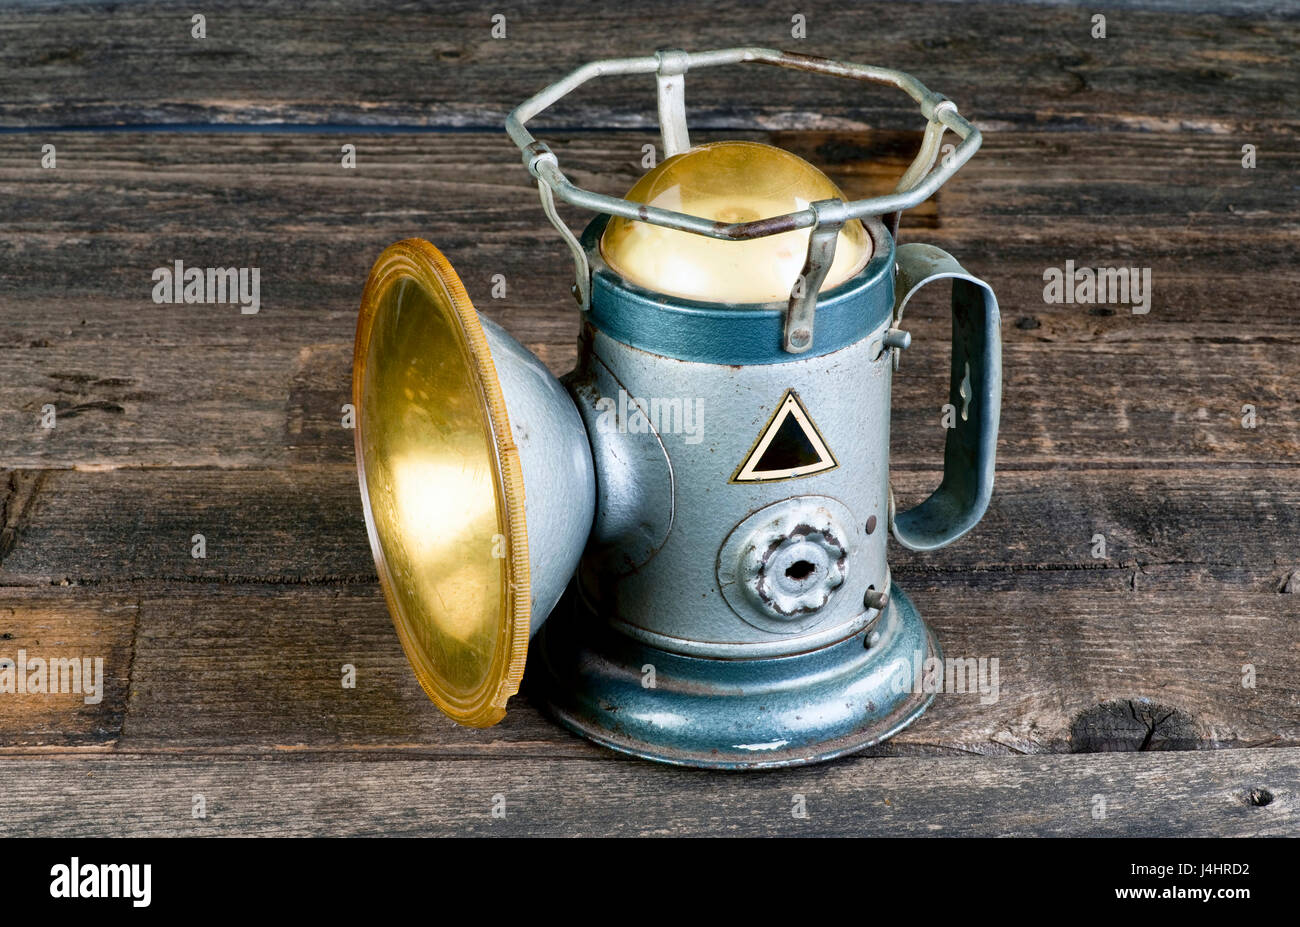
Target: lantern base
731 714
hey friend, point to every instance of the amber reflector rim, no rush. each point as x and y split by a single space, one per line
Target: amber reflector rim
469 672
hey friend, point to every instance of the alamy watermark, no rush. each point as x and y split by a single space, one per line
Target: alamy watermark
75 879
53 676
636 415
954 675
1085 285
184 285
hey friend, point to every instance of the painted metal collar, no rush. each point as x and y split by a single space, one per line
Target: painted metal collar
737 333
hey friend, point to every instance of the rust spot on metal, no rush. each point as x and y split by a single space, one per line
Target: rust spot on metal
805 62
759 228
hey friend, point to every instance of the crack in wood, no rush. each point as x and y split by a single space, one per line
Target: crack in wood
21 489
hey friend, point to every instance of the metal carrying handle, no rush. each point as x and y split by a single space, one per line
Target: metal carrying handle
918 183
975 390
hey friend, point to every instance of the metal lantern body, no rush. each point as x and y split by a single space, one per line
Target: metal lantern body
732 604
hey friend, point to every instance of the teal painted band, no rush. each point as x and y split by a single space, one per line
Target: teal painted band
722 333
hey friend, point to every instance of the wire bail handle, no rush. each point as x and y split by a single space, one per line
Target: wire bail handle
918 183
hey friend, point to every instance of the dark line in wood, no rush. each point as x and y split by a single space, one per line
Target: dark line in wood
130 674
23 486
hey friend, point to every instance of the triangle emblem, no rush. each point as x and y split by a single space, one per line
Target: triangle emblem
788 447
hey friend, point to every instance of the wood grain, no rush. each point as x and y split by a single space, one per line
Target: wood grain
326 61
1225 793
135 383
302 526
263 667
1120 675
37 625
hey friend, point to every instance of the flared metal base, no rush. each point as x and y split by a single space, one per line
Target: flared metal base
731 714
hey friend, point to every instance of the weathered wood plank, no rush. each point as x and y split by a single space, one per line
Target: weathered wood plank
396 64
42 636
118 206
1123 404
136 383
1084 665
264 667
1227 793
1184 599
303 526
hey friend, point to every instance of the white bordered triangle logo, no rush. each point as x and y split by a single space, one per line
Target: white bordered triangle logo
788 447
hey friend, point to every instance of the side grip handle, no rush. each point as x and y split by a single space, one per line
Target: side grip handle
975 391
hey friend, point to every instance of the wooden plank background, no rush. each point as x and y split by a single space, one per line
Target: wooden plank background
1122 675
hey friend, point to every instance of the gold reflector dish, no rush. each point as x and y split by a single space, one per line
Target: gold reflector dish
728 182
441 484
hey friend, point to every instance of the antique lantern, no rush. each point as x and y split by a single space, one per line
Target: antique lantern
685 538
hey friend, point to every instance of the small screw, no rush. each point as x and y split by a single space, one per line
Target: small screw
875 599
873 639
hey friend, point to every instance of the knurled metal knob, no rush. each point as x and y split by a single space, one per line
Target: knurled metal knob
791 567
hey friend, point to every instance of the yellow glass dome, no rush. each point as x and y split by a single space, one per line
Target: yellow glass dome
728 182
